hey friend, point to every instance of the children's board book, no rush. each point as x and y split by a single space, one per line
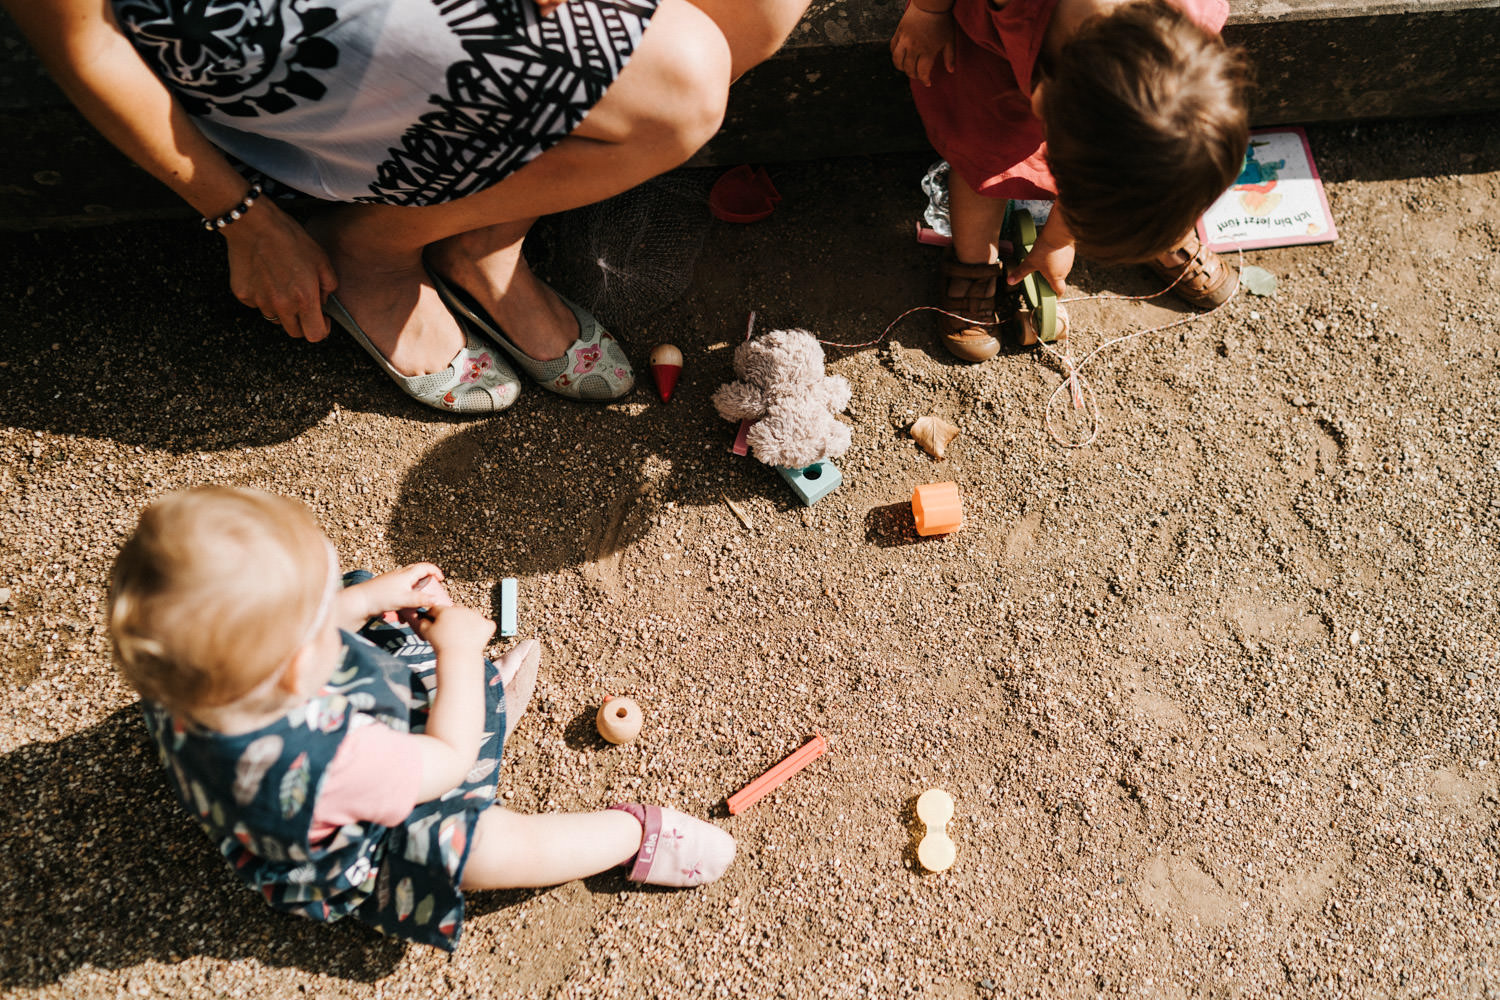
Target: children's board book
1277 200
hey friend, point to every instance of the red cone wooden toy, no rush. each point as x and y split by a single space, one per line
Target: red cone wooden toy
666 365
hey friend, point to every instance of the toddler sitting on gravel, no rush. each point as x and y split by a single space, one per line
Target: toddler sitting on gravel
345 772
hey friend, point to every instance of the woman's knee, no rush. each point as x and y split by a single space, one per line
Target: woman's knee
670 98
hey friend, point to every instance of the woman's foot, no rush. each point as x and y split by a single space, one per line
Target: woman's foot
488 265
676 849
394 303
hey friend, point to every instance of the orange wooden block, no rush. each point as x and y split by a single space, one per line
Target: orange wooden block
937 508
776 776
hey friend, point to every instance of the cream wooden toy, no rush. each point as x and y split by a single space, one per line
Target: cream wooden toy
935 809
619 720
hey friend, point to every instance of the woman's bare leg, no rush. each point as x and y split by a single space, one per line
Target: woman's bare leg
515 851
667 102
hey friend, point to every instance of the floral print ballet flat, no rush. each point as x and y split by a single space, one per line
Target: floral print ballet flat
477 380
594 368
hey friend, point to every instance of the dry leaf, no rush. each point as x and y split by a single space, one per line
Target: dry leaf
933 434
739 512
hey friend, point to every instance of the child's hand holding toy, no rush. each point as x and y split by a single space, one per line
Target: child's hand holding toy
402 591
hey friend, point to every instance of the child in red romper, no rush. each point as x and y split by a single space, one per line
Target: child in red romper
1131 114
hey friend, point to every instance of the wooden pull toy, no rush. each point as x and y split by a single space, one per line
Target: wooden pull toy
937 508
776 776
1037 318
935 809
666 365
619 720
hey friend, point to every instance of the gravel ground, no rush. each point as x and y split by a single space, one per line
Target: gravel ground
1215 696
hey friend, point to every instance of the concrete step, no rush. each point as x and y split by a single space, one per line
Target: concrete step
831 91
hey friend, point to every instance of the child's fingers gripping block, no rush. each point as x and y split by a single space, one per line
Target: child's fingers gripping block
935 809
937 508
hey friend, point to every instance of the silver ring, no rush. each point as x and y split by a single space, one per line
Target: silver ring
269 319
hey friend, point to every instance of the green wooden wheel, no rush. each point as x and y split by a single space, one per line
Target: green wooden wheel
1036 290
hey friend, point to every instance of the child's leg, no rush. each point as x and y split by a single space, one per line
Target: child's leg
976 222
515 851
665 847
972 273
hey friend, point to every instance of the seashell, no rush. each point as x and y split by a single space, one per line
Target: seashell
933 434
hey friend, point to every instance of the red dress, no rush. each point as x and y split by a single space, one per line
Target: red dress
979 116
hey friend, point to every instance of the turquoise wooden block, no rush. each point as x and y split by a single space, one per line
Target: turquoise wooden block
508 606
814 482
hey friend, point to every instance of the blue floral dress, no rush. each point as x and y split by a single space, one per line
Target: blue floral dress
401 102
254 793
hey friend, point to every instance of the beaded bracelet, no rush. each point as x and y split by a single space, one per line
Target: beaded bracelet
233 215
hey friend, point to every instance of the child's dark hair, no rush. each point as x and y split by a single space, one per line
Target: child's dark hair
1147 124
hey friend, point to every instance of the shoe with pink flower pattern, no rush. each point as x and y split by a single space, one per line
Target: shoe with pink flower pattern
676 849
594 367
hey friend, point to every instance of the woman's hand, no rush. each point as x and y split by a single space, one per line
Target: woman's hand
1051 257
275 267
546 7
419 585
920 40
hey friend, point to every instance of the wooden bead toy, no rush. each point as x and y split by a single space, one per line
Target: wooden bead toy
935 809
666 365
937 509
619 720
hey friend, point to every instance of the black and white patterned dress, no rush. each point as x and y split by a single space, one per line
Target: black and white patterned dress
401 102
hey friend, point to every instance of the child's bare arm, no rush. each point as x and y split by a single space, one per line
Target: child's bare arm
419 585
274 265
455 721
924 36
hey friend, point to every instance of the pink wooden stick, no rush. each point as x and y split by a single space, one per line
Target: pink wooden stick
777 776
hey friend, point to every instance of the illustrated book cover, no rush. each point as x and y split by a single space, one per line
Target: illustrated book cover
1277 200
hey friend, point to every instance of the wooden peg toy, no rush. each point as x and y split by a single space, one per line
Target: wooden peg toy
666 365
777 776
619 720
935 809
937 508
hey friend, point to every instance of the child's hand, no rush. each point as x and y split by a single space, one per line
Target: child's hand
920 39
1051 257
454 630
419 585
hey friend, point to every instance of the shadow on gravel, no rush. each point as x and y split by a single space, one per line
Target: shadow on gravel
553 484
116 334
100 867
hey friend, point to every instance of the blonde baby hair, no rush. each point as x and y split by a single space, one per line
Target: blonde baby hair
213 592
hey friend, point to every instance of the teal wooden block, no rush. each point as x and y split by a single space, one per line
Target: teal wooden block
814 482
508 606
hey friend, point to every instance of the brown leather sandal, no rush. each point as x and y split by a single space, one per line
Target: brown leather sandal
1207 281
969 290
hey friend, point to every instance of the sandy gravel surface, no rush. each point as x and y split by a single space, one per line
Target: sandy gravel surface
1215 697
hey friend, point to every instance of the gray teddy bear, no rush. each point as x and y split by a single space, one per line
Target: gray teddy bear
783 388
